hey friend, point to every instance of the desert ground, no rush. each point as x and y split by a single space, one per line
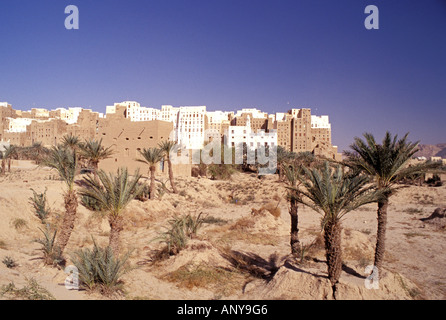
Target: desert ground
235 255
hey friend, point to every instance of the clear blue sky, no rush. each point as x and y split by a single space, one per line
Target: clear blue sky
229 54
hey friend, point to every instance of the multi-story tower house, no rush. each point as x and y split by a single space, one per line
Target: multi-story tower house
217 123
135 112
48 132
87 125
170 114
69 115
239 136
301 130
258 119
191 127
283 125
321 129
6 111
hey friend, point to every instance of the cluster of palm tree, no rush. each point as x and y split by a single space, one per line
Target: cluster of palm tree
6 155
153 156
65 158
111 192
369 174
385 164
35 152
290 167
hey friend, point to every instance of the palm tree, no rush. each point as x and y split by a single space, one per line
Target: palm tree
9 153
94 151
283 157
151 157
37 152
292 174
387 163
2 156
293 171
71 141
65 162
113 193
166 147
333 193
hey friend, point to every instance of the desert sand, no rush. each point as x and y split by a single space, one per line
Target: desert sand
235 255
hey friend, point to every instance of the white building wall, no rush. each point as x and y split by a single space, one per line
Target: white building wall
69 115
255 113
238 135
110 109
217 117
18 124
191 126
143 114
73 115
322 122
41 113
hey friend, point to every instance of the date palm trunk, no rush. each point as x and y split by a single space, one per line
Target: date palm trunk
333 251
172 182
381 234
116 226
294 241
280 171
71 204
152 182
95 165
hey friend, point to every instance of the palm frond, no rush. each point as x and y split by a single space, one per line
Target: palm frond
334 192
386 162
166 146
151 156
65 162
113 192
94 151
71 141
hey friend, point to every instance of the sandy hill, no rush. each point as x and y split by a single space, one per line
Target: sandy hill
235 255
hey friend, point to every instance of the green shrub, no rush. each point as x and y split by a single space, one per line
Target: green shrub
39 203
100 269
52 255
144 195
32 291
221 171
9 262
181 228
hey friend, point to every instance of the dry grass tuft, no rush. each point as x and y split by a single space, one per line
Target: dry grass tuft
272 208
243 224
223 281
32 291
19 223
